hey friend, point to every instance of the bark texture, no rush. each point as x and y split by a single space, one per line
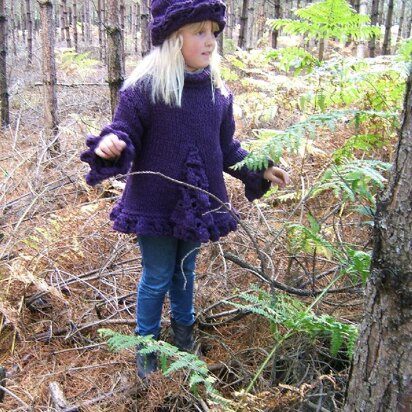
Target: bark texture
374 22
386 47
382 370
4 94
49 73
114 55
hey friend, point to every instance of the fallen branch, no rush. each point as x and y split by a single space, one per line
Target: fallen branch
131 389
73 329
281 286
57 396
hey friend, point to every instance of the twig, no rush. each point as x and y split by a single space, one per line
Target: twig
68 331
13 395
74 84
282 286
80 406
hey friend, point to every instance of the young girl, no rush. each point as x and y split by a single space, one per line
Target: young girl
175 121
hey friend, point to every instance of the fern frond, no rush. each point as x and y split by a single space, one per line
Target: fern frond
276 143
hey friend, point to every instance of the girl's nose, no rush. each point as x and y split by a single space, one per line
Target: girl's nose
210 39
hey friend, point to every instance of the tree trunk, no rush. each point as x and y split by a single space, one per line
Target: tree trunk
409 26
75 33
381 13
66 24
13 27
29 23
123 32
386 47
374 22
4 94
62 24
275 33
363 10
261 21
23 21
136 26
401 20
231 17
49 74
144 27
381 378
100 29
250 39
243 25
114 53
87 23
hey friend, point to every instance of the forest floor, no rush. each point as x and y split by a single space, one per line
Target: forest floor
64 273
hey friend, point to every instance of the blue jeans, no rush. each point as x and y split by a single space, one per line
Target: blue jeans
163 261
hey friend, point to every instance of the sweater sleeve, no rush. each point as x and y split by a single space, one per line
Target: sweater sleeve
255 185
127 126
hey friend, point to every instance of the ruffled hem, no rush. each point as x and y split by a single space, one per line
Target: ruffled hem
100 168
193 217
155 226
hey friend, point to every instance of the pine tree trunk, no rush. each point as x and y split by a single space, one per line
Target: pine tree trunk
23 21
386 47
144 27
374 22
13 27
231 17
261 21
250 39
87 23
100 30
61 20
243 25
275 33
381 378
49 75
401 20
114 53
123 32
409 26
381 13
136 26
29 23
4 94
75 33
66 24
363 9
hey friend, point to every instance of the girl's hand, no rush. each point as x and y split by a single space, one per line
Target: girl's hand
110 147
276 176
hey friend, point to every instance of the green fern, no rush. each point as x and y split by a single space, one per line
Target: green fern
352 179
294 59
328 19
275 144
293 316
198 370
360 142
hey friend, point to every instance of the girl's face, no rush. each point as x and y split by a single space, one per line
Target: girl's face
199 41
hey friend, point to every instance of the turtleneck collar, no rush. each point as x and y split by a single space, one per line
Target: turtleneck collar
198 77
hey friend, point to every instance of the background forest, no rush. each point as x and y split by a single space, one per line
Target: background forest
318 87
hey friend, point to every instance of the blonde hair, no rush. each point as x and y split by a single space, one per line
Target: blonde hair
164 69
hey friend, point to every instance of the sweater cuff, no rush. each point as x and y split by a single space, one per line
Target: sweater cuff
100 168
256 185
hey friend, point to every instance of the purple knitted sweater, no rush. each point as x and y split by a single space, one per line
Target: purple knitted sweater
193 144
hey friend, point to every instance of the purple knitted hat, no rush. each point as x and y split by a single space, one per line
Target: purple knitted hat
170 15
